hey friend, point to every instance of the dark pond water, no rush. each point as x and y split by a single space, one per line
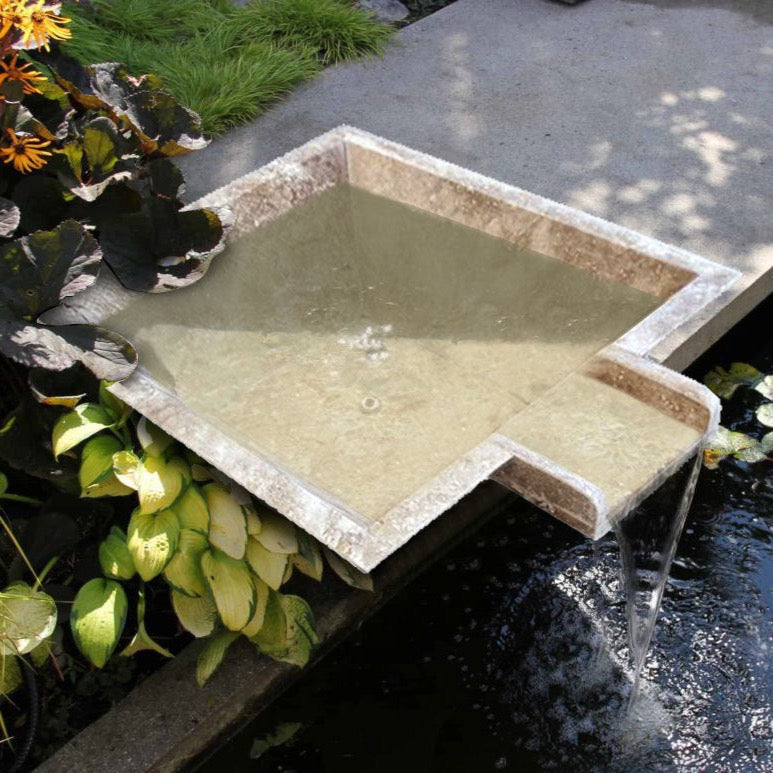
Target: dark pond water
511 654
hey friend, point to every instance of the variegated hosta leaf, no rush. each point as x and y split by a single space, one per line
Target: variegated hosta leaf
256 622
230 583
272 635
183 572
27 617
97 618
724 382
114 556
197 615
253 521
96 474
192 511
154 441
301 631
725 443
158 484
270 567
765 414
125 465
227 525
97 458
765 387
152 540
10 674
308 559
348 573
116 407
212 655
277 534
78 425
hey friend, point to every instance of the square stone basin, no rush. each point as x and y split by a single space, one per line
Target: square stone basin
386 330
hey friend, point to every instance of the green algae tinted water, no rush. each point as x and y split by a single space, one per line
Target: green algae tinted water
365 345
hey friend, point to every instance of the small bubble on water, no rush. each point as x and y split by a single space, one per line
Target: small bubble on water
370 404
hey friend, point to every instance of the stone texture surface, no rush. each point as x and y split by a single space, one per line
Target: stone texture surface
388 11
654 114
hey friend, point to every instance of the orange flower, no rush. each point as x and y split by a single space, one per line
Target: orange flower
12 16
26 151
21 72
41 24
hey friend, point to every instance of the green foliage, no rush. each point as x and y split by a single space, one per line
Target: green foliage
226 62
738 445
97 619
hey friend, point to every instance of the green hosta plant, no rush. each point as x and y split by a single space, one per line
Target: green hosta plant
739 445
223 557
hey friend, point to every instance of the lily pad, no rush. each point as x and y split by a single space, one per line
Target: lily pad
724 382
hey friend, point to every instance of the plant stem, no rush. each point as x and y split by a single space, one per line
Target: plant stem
46 569
23 499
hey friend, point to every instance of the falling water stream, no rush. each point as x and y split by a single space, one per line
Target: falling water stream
647 538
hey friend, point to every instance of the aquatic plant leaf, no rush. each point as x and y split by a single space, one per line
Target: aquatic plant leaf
125 466
83 422
10 674
308 559
230 583
256 621
283 733
114 556
97 619
212 655
38 271
105 353
270 567
192 511
724 382
765 387
9 217
276 534
27 617
161 248
159 483
97 459
183 572
154 441
349 574
725 443
228 525
198 615
152 541
765 414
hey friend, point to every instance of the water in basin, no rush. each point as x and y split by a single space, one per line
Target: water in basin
365 345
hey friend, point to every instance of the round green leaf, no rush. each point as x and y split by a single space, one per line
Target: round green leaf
183 572
230 583
152 541
114 556
97 619
78 425
197 615
270 567
228 525
27 617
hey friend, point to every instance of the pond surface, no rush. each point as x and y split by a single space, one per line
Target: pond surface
512 653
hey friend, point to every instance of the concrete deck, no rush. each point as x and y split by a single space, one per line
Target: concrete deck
655 114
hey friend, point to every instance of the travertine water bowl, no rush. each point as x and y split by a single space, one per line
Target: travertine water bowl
387 330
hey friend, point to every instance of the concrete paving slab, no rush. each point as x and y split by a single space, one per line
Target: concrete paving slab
654 114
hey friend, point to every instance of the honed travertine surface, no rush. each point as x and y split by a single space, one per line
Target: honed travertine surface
381 315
